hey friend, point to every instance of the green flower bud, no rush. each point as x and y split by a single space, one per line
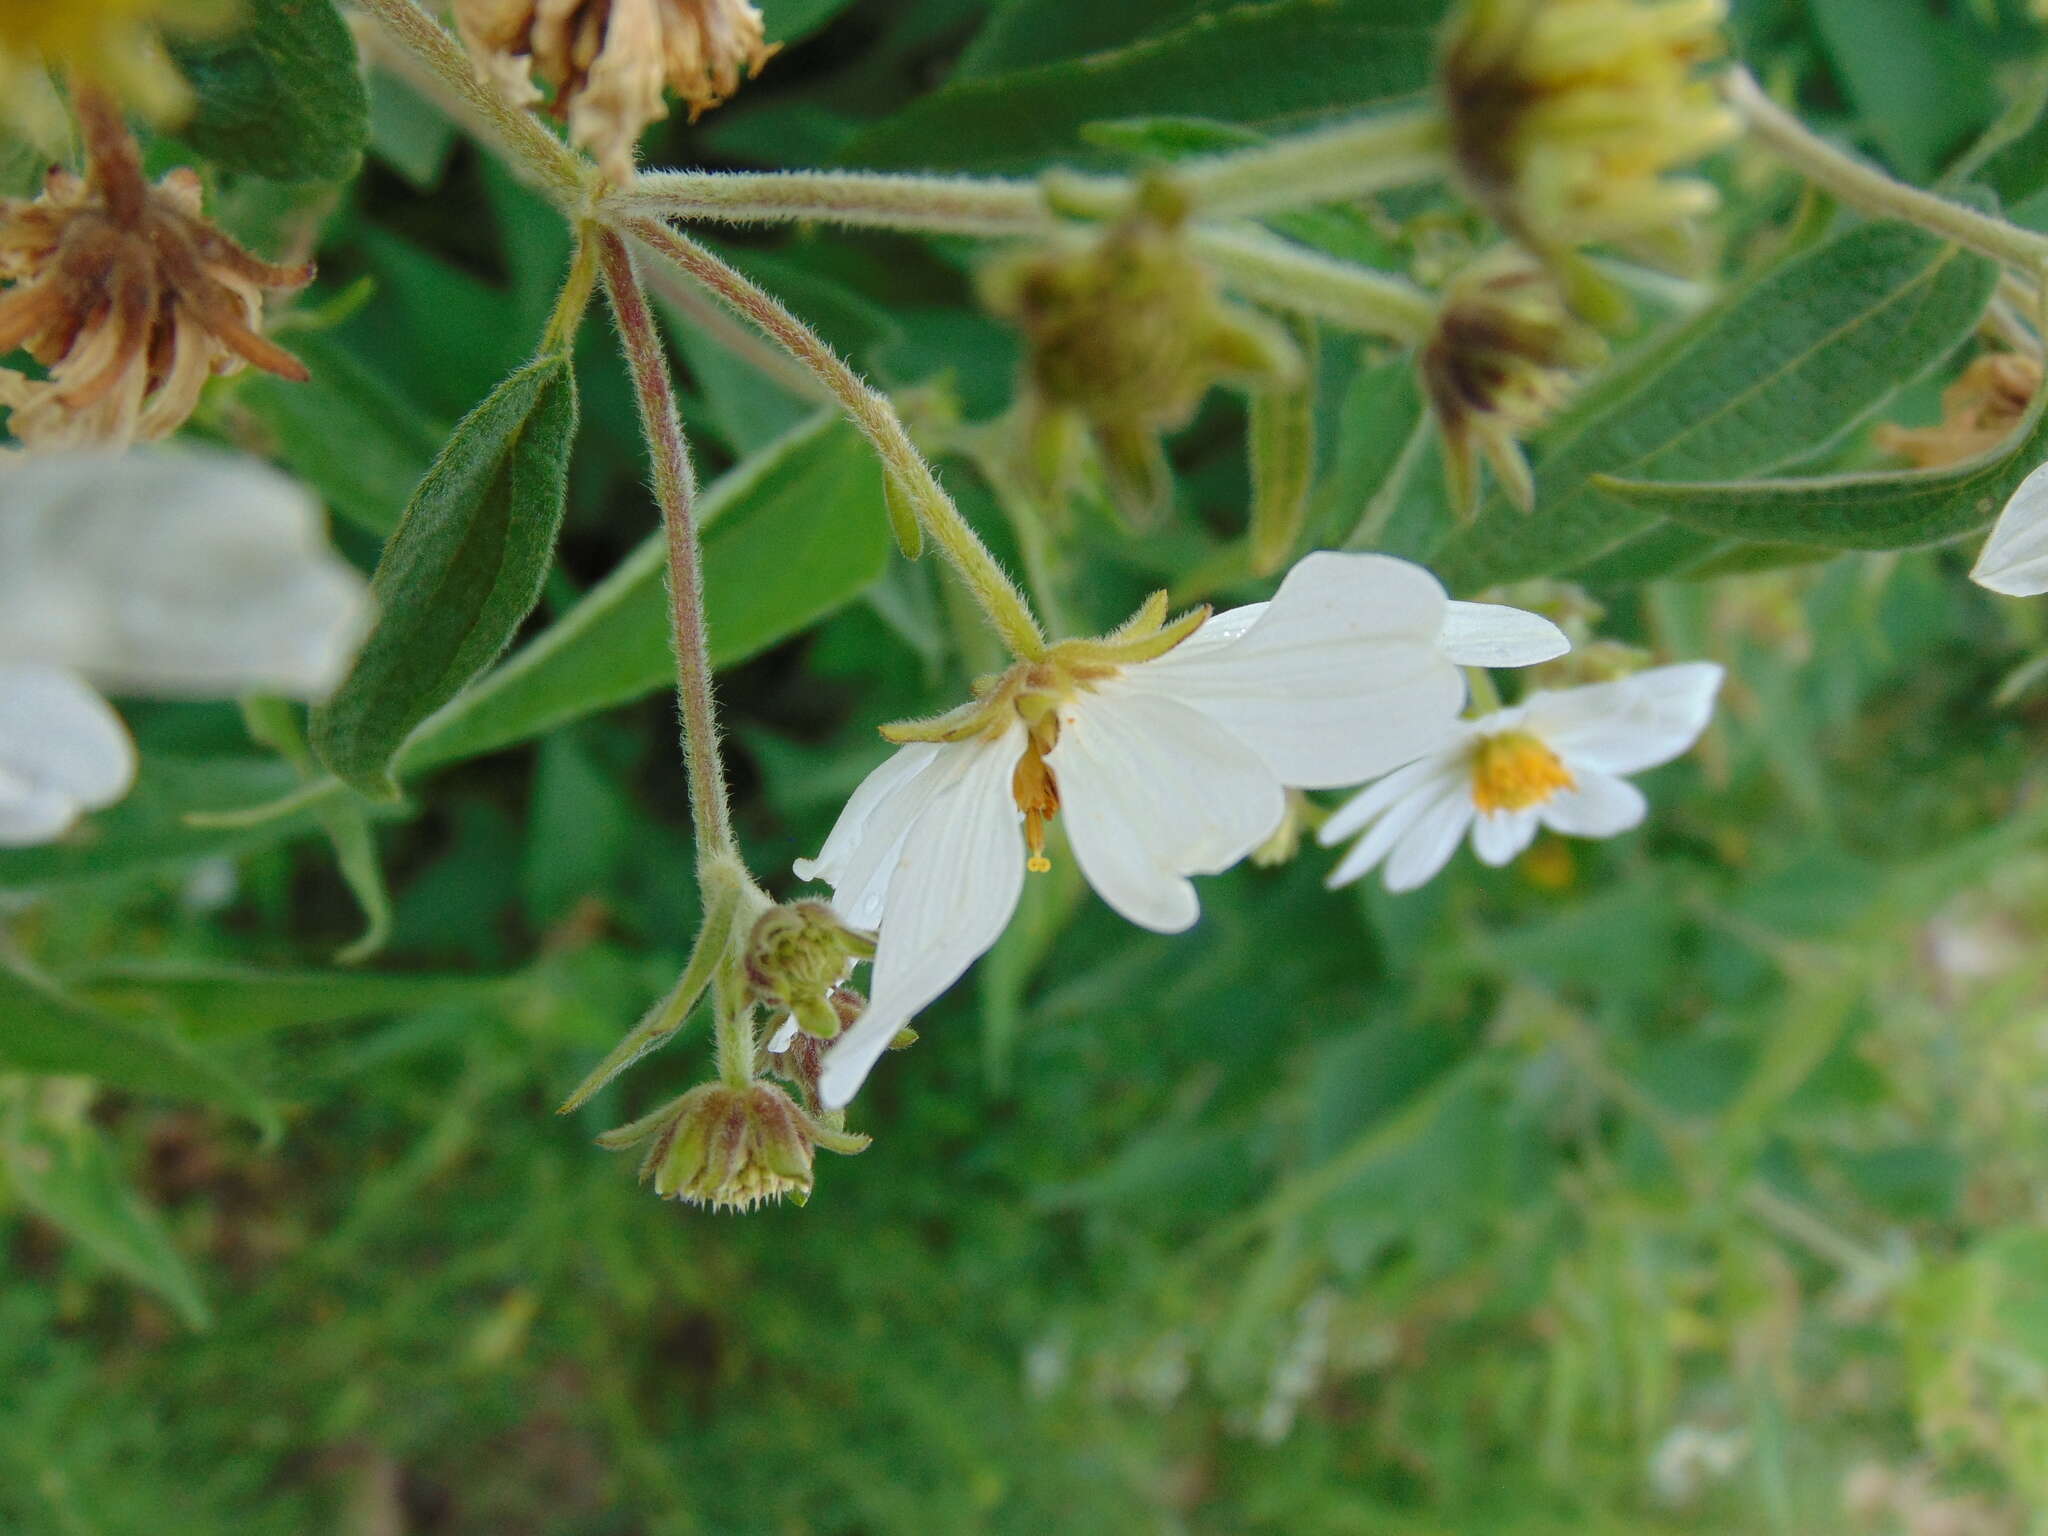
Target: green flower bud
797 955
1127 329
732 1148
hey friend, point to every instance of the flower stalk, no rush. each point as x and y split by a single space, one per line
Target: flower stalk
1863 186
1000 601
675 488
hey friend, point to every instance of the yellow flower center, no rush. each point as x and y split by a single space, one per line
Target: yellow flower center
1514 771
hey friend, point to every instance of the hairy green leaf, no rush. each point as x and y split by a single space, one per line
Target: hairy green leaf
280 96
461 573
1765 380
790 535
1883 510
1340 56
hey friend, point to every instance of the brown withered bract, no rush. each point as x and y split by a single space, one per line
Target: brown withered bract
609 63
128 298
1978 412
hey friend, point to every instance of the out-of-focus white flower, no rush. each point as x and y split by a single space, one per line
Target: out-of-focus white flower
1168 749
1691 1459
1556 760
63 753
2014 560
174 574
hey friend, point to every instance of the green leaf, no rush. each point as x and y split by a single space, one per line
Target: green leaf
790 535
1268 62
48 1031
347 432
1920 85
281 96
461 573
1895 509
215 1001
68 1176
147 834
1765 380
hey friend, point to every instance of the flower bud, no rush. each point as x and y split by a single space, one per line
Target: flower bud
608 63
1499 362
796 957
127 296
798 1056
1126 330
732 1148
1567 116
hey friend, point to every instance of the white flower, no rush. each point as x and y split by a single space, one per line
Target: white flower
1167 757
158 572
2015 558
1555 760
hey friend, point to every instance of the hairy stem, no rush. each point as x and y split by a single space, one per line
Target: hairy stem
1291 277
953 205
1349 160
1864 186
563 175
675 487
1004 606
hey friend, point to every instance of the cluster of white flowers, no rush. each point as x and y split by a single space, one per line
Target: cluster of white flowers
159 574
1178 764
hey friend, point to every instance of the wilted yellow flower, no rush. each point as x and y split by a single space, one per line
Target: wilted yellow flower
1126 331
128 298
1569 116
1498 363
117 44
1978 411
608 63
732 1148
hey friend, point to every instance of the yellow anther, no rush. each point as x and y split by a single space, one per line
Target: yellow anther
1514 771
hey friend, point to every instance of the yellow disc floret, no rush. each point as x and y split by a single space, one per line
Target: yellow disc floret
1513 771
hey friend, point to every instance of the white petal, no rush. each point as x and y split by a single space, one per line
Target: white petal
1355 814
172 572
1600 805
1626 726
2015 558
856 865
1338 680
1499 837
1222 627
1417 797
1495 635
956 880
782 1036
1429 842
1152 792
63 752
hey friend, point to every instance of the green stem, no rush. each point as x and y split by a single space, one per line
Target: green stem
574 300
1864 186
675 488
1000 601
1290 277
1347 161
951 205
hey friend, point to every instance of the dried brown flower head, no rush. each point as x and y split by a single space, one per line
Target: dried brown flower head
608 63
1499 362
128 298
1978 412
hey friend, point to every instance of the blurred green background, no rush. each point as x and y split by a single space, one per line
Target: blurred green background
1687 1182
